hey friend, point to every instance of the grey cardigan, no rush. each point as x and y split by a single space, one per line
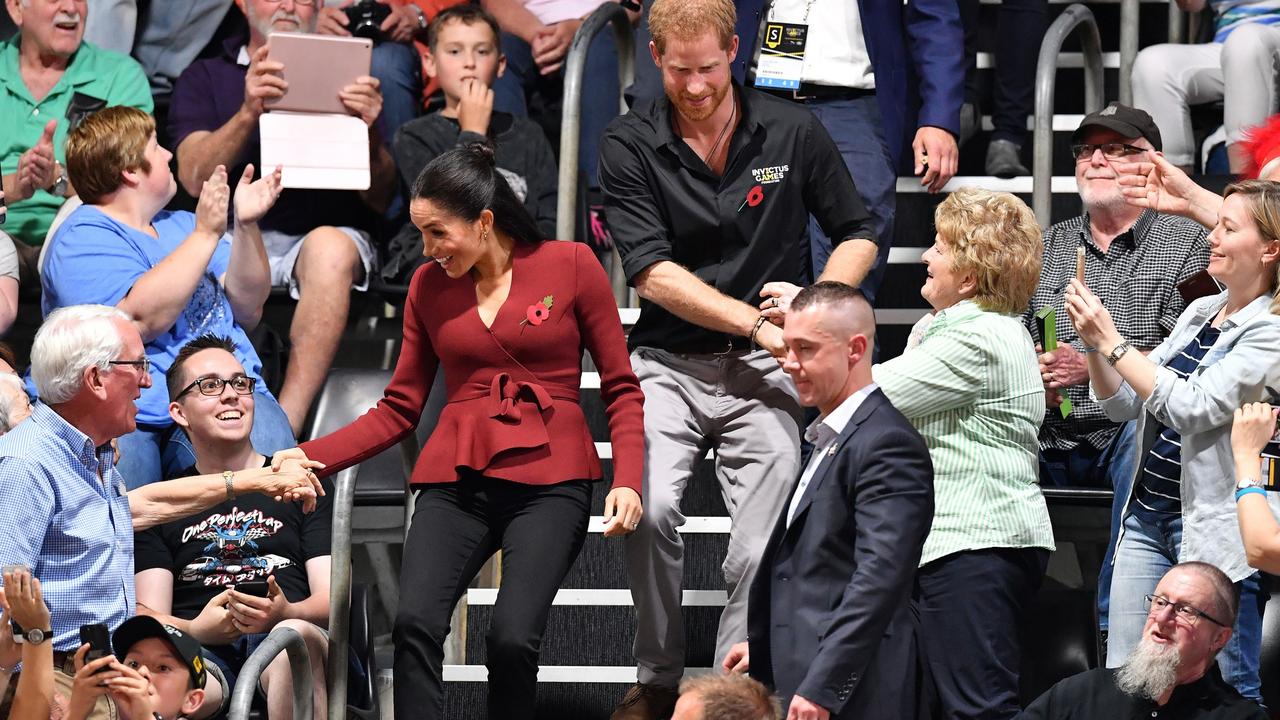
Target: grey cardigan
1240 367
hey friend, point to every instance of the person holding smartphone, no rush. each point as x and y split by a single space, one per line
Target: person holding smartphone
23 605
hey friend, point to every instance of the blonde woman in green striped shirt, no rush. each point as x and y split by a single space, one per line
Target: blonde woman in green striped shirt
972 388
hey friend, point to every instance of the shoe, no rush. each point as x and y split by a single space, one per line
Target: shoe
1003 160
646 702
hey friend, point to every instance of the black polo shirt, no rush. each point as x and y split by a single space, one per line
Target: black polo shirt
1093 695
735 232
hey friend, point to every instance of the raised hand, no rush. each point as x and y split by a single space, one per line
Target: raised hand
1091 319
24 600
1162 186
37 167
254 198
263 81
211 207
475 107
1252 429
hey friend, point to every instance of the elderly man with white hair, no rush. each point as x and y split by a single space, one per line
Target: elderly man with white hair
57 475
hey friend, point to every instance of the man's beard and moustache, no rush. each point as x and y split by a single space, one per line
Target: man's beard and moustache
266 26
1151 670
696 114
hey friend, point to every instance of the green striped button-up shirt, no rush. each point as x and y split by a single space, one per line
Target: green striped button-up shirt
972 388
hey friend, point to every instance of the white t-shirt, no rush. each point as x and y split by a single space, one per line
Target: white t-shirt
554 11
835 51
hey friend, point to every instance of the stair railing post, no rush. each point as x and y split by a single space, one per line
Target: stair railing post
344 490
281 639
1075 17
571 123
1128 47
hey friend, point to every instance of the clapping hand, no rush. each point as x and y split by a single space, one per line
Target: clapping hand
37 167
254 198
622 511
211 206
1252 429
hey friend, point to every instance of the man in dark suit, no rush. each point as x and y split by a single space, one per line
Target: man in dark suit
829 621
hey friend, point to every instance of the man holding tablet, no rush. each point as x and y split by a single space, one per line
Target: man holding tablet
313 240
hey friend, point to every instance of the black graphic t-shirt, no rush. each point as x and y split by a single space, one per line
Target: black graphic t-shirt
244 539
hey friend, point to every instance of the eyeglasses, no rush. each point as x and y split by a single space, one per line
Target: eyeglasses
1188 614
1113 151
143 365
303 3
212 385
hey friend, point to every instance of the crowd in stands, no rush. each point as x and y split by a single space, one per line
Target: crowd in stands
889 532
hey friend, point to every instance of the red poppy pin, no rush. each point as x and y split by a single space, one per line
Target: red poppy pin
539 311
754 197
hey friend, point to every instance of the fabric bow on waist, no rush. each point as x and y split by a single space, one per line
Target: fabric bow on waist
506 394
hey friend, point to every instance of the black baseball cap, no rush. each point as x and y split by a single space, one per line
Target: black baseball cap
1129 122
142 627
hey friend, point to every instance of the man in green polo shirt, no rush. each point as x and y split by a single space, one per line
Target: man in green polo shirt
48 77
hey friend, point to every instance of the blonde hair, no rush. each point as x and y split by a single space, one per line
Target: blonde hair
993 236
690 19
106 144
1263 200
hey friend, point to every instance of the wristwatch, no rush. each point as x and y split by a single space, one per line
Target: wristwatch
36 636
422 16
227 477
59 186
1244 483
1118 352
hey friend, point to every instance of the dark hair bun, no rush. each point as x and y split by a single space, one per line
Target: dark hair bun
483 152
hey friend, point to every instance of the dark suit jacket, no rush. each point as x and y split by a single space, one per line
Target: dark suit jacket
916 51
829 615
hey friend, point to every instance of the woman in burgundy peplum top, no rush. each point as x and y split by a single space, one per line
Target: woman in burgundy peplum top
511 461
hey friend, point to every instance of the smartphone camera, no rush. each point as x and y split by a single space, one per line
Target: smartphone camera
98 638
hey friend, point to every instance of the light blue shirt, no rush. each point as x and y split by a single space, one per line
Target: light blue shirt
1239 368
69 521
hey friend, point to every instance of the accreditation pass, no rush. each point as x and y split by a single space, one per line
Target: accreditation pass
781 56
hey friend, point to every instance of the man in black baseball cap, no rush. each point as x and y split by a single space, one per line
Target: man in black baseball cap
1129 122
172 661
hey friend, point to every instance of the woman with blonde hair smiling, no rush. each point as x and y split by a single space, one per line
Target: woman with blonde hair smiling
1221 354
972 388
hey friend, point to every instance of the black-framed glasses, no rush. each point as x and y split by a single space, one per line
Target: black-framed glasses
143 365
1188 613
212 385
1113 150
304 3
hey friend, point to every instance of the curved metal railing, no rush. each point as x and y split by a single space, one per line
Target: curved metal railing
344 492
1075 17
281 639
570 127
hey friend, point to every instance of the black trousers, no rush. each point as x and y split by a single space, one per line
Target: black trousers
456 528
1020 27
972 605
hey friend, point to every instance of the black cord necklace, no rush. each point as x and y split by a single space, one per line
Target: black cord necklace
733 115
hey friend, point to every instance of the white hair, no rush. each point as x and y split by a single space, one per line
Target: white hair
6 407
1150 670
72 340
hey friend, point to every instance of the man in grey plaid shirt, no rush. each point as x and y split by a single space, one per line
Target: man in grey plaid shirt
1135 260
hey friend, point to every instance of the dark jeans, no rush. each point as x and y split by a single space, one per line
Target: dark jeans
1020 26
456 528
600 92
972 605
854 125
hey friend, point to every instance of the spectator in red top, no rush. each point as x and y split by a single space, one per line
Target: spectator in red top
511 461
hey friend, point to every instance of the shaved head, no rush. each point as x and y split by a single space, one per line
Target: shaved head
847 312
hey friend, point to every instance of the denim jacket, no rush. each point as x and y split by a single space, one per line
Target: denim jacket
1241 365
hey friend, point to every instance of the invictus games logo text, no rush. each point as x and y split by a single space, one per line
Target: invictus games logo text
769 175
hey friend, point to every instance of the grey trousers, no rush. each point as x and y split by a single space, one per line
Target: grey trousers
743 408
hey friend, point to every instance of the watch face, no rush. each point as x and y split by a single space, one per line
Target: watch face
35 637
1248 483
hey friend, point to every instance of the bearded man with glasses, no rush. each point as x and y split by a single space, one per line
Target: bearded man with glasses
1135 260
1172 673
191 572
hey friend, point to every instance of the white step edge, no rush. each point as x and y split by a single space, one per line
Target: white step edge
1061 123
603 597
560 673
987 61
1090 2
1065 184
698 524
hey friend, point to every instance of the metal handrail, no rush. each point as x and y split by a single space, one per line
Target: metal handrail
571 125
1075 16
1177 24
344 493
1128 47
281 639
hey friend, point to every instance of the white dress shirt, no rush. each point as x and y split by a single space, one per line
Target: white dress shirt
822 434
835 51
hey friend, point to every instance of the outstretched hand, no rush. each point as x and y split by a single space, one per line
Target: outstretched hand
1162 186
254 198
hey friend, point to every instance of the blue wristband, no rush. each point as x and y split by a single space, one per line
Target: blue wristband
1246 491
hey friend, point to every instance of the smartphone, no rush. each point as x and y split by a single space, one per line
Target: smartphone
98 639
18 632
256 588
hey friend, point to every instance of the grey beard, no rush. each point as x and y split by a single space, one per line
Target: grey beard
1150 671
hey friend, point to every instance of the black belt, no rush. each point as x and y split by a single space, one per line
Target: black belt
814 91
65 662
